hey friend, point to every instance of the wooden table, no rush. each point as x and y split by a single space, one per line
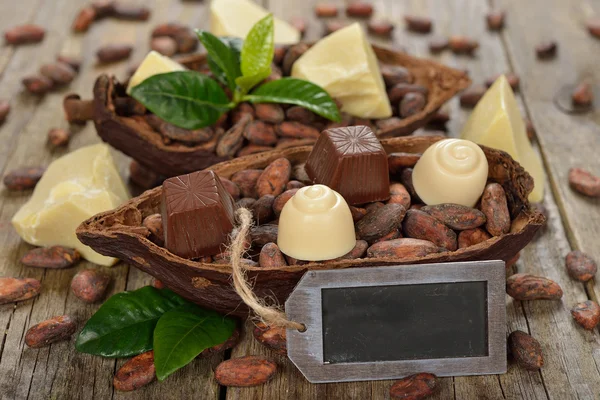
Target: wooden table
572 355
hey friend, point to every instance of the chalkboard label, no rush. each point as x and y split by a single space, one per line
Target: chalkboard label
388 322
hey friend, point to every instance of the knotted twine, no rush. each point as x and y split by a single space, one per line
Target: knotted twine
271 315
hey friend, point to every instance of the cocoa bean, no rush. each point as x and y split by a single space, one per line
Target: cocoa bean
274 178
23 34
294 261
293 53
233 139
359 9
130 13
226 345
282 199
412 104
78 111
58 137
530 129
55 257
580 266
456 216
414 387
397 92
380 27
279 53
269 112
593 26
170 29
376 205
23 178
260 133
529 287
358 251
154 224
546 50
142 176
73 62
495 208
525 350
84 20
398 161
511 262
420 225
287 143
246 181
252 149
271 257
158 284
90 285
294 185
232 188
113 52
128 106
324 10
333 26
470 97
187 42
357 213
403 248
164 45
471 237
437 44
513 80
4 110
262 209
396 74
273 337
495 20
584 182
583 95
395 234
296 130
18 289
104 8
245 371
50 331
462 45
380 222
186 135
418 24
37 84
263 234
586 314
399 195
299 23
300 114
246 202
135 373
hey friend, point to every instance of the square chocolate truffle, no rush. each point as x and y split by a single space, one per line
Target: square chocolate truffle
352 162
197 214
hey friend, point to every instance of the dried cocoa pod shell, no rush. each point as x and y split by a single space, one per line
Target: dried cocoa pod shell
525 350
50 331
420 225
580 266
55 257
263 234
154 224
414 387
399 195
245 371
83 20
23 34
586 314
261 133
495 208
246 181
271 256
23 178
273 337
282 199
90 285
529 287
233 139
471 237
58 72
380 222
297 130
456 216
269 112
398 161
584 182
18 289
252 149
135 373
287 143
262 209
274 178
293 53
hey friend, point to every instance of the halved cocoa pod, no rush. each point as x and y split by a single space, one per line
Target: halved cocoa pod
140 142
116 233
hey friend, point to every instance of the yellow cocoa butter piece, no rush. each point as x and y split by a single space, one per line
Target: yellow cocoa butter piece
153 64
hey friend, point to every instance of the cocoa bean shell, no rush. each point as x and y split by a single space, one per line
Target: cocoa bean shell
529 287
525 350
420 225
135 373
245 371
55 257
50 331
293 184
359 9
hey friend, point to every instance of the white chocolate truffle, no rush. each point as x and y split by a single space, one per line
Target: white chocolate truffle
451 171
315 225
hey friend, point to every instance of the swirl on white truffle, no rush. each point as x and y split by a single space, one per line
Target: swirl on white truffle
315 199
457 156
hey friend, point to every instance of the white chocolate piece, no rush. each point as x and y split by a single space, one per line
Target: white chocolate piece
315 225
153 64
451 171
74 188
497 122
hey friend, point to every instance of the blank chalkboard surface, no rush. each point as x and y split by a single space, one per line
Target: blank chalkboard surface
404 322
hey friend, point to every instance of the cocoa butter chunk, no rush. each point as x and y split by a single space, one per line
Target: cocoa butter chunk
495 208
525 350
380 222
586 314
456 216
420 225
530 287
51 257
245 371
18 289
50 331
414 387
403 248
135 373
273 337
580 266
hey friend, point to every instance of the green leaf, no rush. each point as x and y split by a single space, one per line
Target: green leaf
248 82
299 92
259 48
124 324
186 99
235 44
222 55
183 333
